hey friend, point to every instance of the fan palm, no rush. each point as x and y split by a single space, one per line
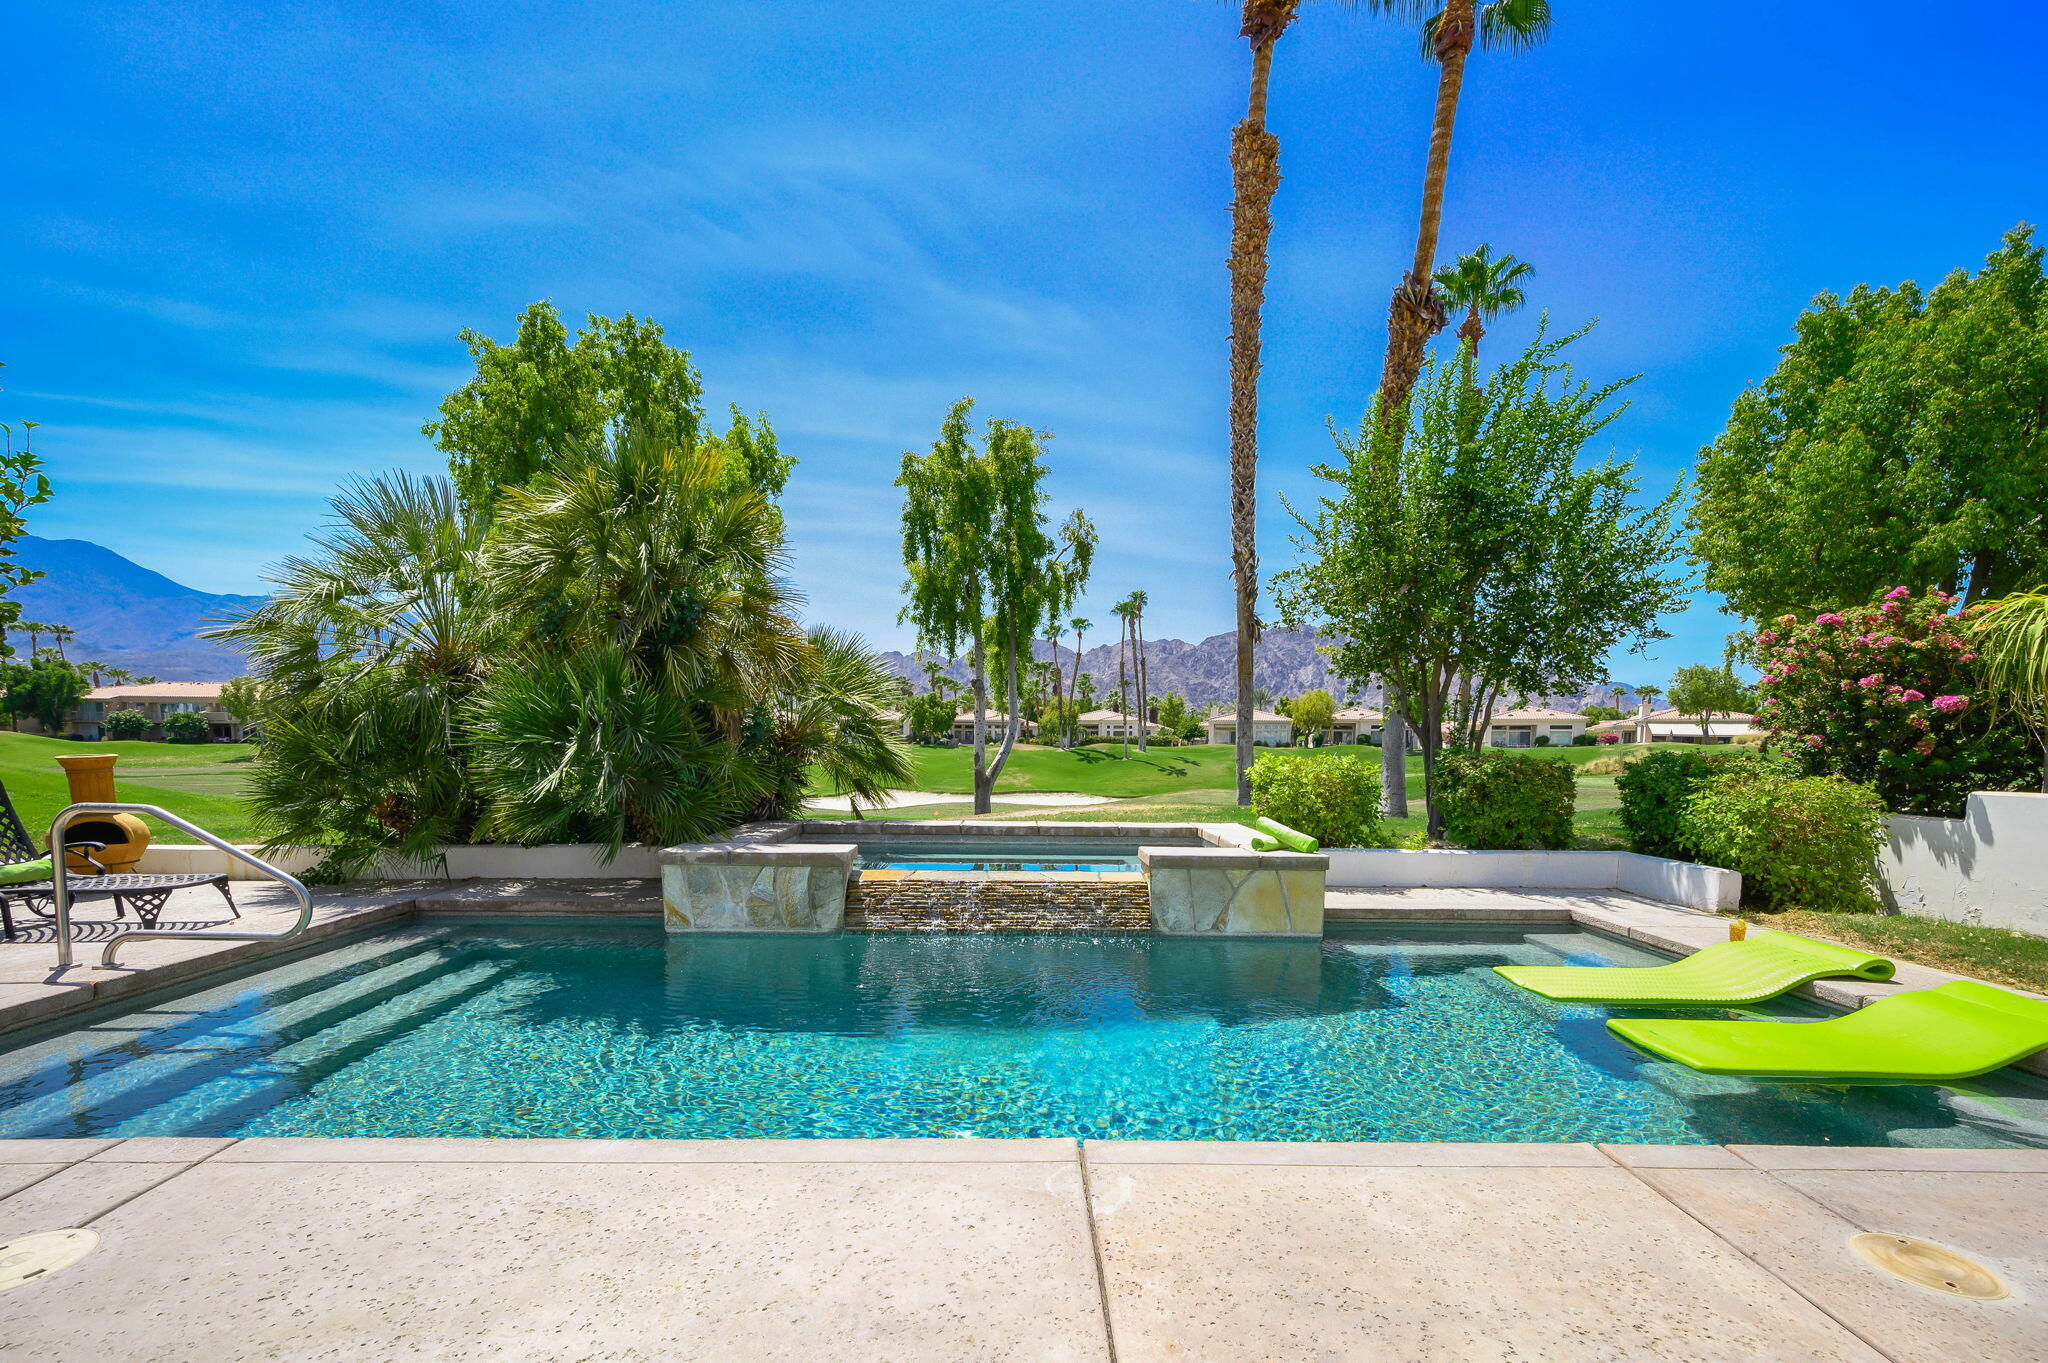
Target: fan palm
2012 634
1416 313
1485 287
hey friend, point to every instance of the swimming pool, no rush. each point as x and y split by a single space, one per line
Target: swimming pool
997 854
476 1027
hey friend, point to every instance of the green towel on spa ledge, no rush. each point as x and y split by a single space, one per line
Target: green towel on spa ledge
26 872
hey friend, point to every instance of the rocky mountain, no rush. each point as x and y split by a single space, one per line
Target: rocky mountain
1285 662
124 614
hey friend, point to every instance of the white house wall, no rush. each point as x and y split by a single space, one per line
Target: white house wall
1989 867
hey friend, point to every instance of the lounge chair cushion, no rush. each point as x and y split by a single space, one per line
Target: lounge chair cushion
26 872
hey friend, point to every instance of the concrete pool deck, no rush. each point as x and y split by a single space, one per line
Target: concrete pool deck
271 1249
263 1249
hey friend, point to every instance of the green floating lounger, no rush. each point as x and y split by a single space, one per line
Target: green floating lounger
1727 974
1929 1036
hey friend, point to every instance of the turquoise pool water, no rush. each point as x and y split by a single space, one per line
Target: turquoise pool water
472 1028
998 854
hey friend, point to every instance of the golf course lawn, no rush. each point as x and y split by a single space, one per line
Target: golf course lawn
197 781
1197 783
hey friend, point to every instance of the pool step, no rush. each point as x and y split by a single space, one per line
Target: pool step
1004 905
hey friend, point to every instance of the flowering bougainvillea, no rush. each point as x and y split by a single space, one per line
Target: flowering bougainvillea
1889 695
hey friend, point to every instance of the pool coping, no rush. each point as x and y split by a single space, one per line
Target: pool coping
35 1003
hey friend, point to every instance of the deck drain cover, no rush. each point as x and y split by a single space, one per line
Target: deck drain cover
1929 1265
34 1257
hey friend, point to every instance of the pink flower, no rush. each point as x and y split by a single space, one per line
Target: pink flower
1950 705
1768 637
1813 740
1914 695
1897 592
1917 721
1827 618
1872 682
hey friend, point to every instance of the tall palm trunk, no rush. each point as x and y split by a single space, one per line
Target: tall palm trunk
1078 637
1470 331
1255 175
1144 696
1123 680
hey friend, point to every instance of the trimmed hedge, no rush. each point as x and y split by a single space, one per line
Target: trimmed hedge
1800 842
1654 788
1335 800
1497 801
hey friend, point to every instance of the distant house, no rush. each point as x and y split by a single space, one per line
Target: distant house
1268 730
1113 724
1672 726
156 701
963 727
1521 728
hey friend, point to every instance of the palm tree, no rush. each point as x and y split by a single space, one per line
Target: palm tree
1137 600
1080 628
1417 313
1124 611
1486 288
58 635
2013 635
95 670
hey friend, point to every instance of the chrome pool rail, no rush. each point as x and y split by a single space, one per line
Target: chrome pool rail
60 881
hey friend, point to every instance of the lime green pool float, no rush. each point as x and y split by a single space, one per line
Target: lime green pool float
1929 1036
1727 974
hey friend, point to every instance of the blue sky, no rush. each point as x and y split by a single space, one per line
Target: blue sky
240 239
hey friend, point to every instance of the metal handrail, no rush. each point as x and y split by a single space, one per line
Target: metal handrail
60 881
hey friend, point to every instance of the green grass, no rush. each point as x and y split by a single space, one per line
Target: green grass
1996 954
199 781
1198 783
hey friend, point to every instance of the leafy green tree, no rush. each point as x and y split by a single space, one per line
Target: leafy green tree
1704 692
1485 288
46 690
125 724
930 716
239 696
545 401
22 485
1502 562
1312 712
985 573
1902 438
1601 714
1173 714
183 726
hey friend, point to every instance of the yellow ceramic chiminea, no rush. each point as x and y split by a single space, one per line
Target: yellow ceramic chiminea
126 837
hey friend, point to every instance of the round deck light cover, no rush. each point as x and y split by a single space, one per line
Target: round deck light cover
1929 1265
31 1258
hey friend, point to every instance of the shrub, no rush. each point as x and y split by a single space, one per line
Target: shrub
1492 800
1891 695
1583 740
1335 800
1541 741
1609 739
1805 842
1654 788
186 727
125 724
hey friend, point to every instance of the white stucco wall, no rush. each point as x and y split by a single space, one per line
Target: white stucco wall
1668 882
1990 866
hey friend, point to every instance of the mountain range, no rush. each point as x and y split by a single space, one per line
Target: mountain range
125 615
1285 663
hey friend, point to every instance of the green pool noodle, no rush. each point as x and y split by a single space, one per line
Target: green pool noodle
1280 837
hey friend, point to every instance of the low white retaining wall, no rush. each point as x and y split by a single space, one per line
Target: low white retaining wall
567 861
1990 866
1670 882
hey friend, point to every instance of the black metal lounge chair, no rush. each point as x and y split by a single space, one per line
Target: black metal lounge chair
146 894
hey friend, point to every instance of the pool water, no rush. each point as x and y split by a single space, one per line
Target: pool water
998 854
608 1029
